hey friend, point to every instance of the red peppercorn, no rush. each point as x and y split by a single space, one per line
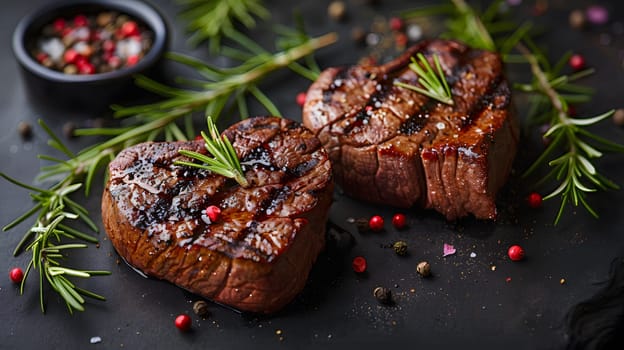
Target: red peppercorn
108 45
58 24
81 21
42 56
132 60
534 200
376 223
359 264
183 322
114 61
577 62
16 275
96 35
213 212
84 67
301 98
129 28
399 221
516 253
71 56
571 111
400 39
396 24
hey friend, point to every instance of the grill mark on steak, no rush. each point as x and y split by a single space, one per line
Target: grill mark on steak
154 214
375 131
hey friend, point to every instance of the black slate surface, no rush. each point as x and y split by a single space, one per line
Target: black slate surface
467 303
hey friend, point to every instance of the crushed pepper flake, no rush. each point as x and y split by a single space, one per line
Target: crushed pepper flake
448 250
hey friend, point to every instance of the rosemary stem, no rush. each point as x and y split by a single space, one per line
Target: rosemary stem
543 82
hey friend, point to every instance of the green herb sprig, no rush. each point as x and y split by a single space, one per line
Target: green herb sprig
573 148
45 239
223 161
434 82
214 19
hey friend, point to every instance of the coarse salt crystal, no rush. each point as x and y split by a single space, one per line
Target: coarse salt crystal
95 340
414 32
53 47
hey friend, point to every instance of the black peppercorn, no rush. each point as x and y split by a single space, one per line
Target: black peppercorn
423 268
618 117
383 295
25 130
577 19
358 34
337 10
200 308
400 247
362 224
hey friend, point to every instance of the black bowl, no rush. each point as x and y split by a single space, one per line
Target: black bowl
92 92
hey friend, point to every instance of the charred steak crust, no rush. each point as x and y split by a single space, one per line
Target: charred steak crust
392 145
257 256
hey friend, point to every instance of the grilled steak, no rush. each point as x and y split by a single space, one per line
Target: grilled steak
257 256
392 145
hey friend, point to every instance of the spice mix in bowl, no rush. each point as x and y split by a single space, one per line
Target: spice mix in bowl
84 53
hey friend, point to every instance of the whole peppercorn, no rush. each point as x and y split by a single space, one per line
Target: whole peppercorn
577 19
424 269
618 117
301 99
400 248
16 275
376 223
516 253
359 264
399 221
534 200
183 322
200 308
396 24
337 10
577 62
383 295
358 35
25 130
213 212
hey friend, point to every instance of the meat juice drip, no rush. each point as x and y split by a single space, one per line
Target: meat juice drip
259 157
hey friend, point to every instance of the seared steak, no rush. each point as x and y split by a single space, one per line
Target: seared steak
257 256
392 145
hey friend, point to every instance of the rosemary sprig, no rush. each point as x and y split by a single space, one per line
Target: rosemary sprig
573 169
214 19
572 147
224 160
220 86
45 238
434 82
